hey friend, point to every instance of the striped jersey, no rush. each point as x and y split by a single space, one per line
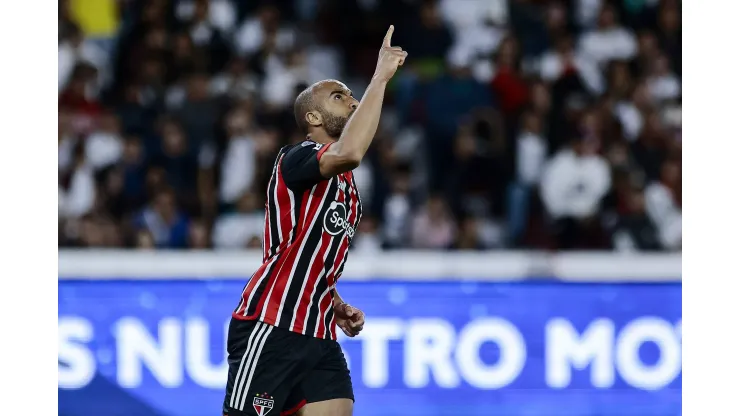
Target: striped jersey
309 224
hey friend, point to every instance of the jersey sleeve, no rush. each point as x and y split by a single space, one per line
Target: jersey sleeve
300 165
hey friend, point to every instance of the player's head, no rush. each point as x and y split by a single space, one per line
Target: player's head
325 105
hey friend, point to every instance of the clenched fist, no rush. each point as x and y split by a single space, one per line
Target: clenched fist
389 58
349 319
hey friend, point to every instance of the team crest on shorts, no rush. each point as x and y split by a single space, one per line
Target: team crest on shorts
262 404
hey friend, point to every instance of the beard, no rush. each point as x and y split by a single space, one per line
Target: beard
333 124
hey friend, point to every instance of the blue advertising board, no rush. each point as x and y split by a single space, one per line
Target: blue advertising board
157 348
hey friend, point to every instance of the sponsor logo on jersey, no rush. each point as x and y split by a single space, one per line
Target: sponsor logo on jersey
335 220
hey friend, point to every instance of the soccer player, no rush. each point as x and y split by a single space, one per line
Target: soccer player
283 355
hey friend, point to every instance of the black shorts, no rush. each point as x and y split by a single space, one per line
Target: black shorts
276 371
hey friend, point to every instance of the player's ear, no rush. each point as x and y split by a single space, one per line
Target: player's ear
313 118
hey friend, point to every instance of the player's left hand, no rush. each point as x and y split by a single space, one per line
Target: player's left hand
349 319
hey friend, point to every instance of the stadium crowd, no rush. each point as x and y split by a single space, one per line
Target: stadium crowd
546 124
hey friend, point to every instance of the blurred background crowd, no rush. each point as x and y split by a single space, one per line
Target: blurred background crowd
542 124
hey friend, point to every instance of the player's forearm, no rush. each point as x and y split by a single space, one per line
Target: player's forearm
361 127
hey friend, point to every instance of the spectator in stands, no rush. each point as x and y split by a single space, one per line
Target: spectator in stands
77 193
564 59
433 227
199 113
104 145
648 50
184 60
634 230
133 165
163 219
176 159
66 138
255 32
469 237
235 82
531 152
397 210
480 168
630 112
135 117
238 167
144 240
80 97
663 202
217 14
74 50
203 28
508 84
199 235
242 228
662 83
649 150
669 31
609 41
367 239
573 184
284 73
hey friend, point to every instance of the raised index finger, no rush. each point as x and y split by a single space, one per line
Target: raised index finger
387 38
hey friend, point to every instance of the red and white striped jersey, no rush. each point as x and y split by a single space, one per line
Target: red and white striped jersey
309 224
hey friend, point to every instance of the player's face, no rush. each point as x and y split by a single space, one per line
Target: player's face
337 107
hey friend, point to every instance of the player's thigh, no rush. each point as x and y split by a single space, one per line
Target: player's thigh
265 365
327 388
332 407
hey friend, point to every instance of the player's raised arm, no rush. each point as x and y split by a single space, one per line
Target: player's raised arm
348 151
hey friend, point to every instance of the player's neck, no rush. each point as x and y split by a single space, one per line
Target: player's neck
320 137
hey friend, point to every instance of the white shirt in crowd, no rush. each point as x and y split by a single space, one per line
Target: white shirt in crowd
552 67
79 198
242 86
250 37
587 12
664 213
664 87
467 13
69 56
630 118
201 33
573 186
367 243
237 168
221 13
530 158
473 37
66 153
605 45
237 229
397 212
429 234
103 149
281 80
322 62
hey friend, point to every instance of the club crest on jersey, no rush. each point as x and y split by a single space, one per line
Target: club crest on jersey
335 220
262 404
